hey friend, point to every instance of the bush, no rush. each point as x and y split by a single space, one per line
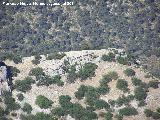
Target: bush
47 80
113 75
17 59
108 116
91 96
38 71
100 104
122 60
155 116
15 71
24 85
20 96
141 103
128 111
105 79
81 92
36 60
129 72
64 101
136 81
11 104
102 90
88 70
140 93
43 116
1 112
72 75
153 84
58 112
110 57
123 100
122 85
43 102
27 108
55 56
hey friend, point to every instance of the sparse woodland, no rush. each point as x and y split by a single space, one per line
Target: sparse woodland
95 60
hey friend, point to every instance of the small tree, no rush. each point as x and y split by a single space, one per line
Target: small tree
122 60
24 85
129 72
38 71
105 79
1 112
103 89
122 85
128 111
100 104
59 111
108 116
153 84
20 96
81 92
88 70
110 57
27 108
43 102
140 93
136 81
113 75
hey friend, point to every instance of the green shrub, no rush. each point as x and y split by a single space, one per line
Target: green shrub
72 75
100 104
20 96
64 101
113 75
43 102
141 103
1 112
47 80
155 116
122 85
122 60
24 85
102 90
128 111
11 104
43 116
88 70
91 95
15 71
17 59
13 114
105 79
108 116
140 93
36 62
110 57
38 71
158 110
37 59
136 81
153 84
55 56
27 108
122 100
58 112
129 72
81 92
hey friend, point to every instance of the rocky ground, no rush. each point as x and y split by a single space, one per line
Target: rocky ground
53 91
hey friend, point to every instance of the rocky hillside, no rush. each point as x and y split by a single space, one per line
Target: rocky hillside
81 85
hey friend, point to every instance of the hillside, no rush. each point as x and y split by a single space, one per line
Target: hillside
133 25
83 85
